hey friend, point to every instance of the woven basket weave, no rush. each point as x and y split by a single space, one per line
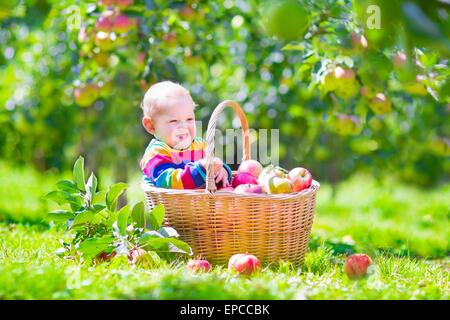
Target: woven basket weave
218 224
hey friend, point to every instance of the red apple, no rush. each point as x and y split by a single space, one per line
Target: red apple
251 166
123 24
199 265
356 265
104 23
243 178
249 188
301 178
244 264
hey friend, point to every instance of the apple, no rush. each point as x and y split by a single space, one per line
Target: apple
140 257
346 124
244 264
86 94
358 41
275 185
170 39
123 24
399 59
243 178
356 265
249 188
380 104
287 20
301 178
197 265
220 188
271 171
251 166
187 13
342 81
104 23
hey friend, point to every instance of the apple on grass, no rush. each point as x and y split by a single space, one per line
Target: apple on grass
199 265
356 265
244 263
301 178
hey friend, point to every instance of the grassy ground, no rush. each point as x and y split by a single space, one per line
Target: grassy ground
404 229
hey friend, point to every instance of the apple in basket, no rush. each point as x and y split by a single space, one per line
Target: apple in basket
249 188
300 178
244 263
251 166
356 265
271 171
229 189
243 178
275 185
196 265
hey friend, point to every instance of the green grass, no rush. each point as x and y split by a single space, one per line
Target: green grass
404 229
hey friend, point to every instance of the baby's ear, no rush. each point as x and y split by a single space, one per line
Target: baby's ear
148 124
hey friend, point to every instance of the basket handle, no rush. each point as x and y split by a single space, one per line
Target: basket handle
210 181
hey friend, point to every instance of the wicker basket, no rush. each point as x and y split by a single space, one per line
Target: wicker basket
218 224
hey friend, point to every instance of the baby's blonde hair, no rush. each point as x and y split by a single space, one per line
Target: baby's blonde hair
153 101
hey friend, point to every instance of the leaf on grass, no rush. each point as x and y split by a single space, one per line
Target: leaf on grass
113 193
78 173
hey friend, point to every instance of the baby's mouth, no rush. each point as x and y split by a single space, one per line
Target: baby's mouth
182 136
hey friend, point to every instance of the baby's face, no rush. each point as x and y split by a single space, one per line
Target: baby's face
175 125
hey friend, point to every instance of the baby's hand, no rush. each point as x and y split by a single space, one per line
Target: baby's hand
218 164
222 176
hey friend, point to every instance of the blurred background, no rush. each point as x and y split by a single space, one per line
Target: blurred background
345 98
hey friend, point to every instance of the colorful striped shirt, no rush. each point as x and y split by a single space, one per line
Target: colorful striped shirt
165 167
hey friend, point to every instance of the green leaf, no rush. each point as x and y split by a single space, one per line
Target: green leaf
62 197
93 246
166 245
78 173
83 217
59 216
168 232
113 194
293 47
122 220
138 214
156 217
67 186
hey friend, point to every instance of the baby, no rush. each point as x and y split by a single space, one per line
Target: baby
175 158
